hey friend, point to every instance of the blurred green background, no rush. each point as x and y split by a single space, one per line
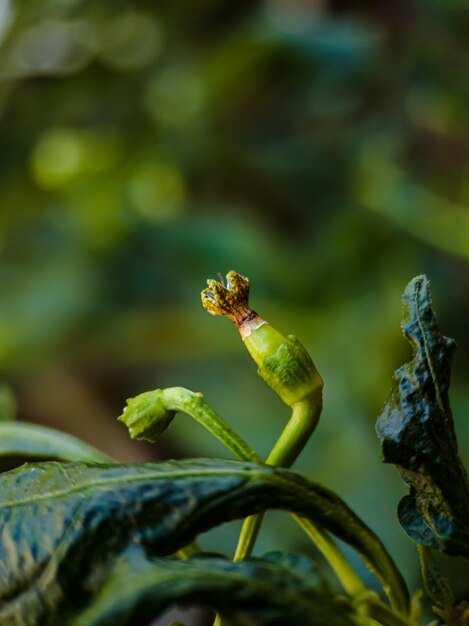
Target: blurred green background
319 147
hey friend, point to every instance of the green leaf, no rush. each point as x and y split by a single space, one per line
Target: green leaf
63 524
274 590
435 582
21 441
417 433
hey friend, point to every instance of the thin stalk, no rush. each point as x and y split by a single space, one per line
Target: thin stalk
347 576
283 455
384 615
182 400
291 442
188 551
294 437
296 434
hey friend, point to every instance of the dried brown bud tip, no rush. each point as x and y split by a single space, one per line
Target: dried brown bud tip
230 299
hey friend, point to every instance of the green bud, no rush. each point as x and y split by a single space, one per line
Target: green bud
150 413
282 361
147 416
284 364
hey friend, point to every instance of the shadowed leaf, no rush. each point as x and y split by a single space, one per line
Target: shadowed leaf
62 525
274 590
417 433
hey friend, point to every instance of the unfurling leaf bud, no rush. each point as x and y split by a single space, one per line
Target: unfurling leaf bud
146 415
282 361
150 413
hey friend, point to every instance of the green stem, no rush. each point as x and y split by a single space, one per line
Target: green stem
294 437
182 400
296 434
347 576
188 551
291 442
248 536
382 614
301 425
217 621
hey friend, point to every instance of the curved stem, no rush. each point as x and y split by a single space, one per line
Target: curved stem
298 429
376 610
347 576
182 400
345 573
187 551
247 538
294 437
296 434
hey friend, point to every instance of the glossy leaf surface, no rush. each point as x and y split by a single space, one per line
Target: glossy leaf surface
62 525
417 433
274 590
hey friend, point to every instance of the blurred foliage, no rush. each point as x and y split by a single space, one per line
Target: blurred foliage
319 147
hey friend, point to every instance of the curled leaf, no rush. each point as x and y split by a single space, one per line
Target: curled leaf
272 591
417 432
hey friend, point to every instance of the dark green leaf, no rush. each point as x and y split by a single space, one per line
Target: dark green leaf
62 523
275 590
417 433
435 582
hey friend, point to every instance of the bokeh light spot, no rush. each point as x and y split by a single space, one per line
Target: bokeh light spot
53 47
130 40
175 96
63 154
157 191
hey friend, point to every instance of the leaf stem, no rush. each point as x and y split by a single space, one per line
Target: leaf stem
188 551
381 613
347 576
182 400
295 435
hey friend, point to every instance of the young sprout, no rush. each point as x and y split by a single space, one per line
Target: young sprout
282 361
286 366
